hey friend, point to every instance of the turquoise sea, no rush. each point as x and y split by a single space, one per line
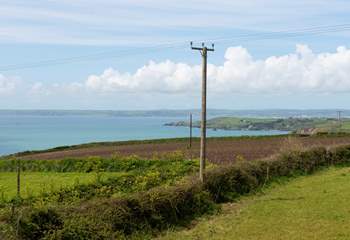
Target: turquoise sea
32 131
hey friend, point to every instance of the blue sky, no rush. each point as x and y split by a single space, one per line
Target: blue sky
270 73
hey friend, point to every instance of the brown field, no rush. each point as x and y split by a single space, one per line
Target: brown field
219 150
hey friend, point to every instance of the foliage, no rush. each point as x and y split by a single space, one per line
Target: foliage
40 222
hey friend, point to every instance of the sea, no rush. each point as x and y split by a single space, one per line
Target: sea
38 130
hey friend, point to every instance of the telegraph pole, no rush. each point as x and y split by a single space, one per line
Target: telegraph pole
190 130
18 178
339 117
204 52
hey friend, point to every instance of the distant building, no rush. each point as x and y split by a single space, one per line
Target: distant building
307 131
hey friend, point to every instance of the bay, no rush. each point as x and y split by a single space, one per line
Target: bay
22 132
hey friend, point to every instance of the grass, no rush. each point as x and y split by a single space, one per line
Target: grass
36 183
308 207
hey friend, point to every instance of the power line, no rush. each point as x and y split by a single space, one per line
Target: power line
287 33
97 56
173 45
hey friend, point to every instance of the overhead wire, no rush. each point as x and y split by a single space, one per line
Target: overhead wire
179 44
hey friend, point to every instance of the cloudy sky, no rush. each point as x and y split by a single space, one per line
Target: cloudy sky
77 54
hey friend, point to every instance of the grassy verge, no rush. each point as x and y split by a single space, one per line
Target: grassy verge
307 207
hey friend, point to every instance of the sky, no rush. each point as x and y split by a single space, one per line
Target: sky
135 54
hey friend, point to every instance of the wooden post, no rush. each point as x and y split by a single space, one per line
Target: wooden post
18 178
204 50
190 130
204 115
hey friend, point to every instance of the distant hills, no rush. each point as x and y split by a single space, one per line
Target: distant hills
266 113
297 125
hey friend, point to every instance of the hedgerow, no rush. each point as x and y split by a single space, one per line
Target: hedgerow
115 163
162 207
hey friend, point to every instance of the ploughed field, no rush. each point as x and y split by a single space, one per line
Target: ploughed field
219 150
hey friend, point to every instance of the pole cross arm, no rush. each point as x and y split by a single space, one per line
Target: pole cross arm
203 47
197 48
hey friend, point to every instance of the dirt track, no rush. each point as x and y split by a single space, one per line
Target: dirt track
219 150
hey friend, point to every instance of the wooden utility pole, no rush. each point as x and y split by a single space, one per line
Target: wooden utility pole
190 130
339 117
18 178
204 52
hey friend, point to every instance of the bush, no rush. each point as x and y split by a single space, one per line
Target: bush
226 183
39 223
152 211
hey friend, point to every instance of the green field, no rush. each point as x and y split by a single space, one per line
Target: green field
308 207
91 174
37 183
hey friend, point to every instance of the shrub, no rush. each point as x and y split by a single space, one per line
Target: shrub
39 223
152 211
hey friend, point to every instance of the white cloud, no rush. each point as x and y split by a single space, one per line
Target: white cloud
154 77
166 83
7 85
301 71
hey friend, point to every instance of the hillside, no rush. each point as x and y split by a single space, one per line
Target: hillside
281 124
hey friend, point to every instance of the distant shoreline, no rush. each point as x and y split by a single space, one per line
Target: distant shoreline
305 125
